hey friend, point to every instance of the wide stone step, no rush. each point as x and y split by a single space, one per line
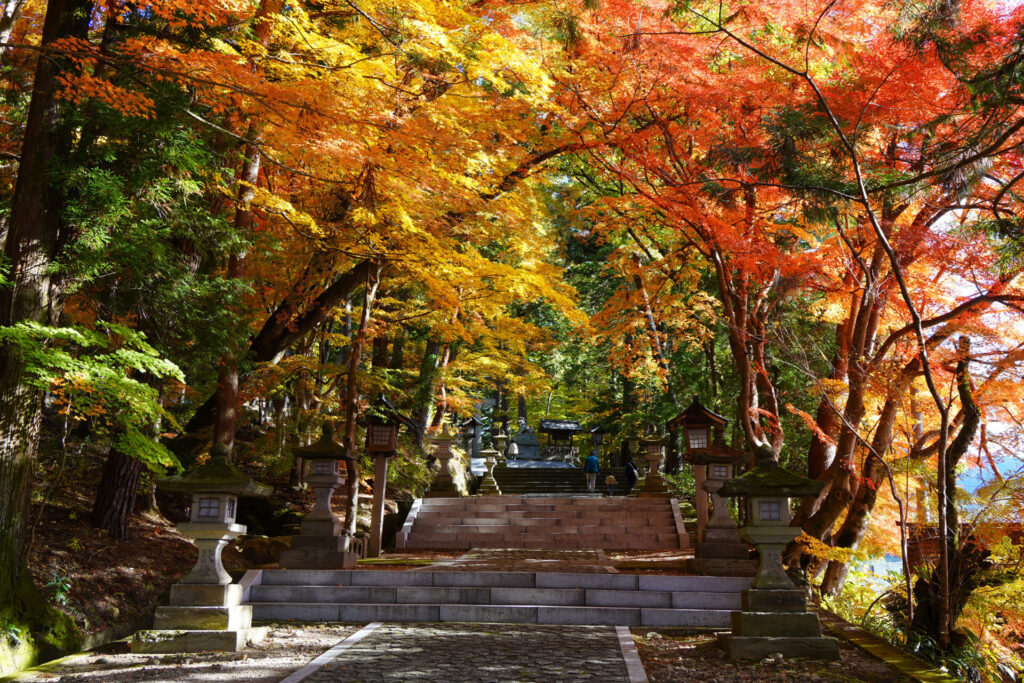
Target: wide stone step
568 544
471 526
565 597
499 579
521 614
553 501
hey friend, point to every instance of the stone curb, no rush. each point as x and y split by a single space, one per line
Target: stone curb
634 665
909 665
327 657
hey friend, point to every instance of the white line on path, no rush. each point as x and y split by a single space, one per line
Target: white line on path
634 667
321 661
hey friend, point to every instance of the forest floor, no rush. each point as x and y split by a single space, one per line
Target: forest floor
684 655
99 581
102 582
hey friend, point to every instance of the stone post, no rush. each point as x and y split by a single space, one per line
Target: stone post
701 499
500 443
319 543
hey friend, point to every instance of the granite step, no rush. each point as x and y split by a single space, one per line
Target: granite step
489 596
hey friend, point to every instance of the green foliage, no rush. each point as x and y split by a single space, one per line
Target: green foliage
60 588
94 376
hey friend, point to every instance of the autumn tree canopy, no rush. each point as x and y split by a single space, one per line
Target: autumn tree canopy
809 214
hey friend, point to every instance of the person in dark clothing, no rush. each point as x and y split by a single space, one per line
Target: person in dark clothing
591 468
631 475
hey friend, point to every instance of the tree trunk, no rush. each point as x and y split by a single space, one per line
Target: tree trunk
115 496
352 406
424 396
286 325
35 238
398 351
380 357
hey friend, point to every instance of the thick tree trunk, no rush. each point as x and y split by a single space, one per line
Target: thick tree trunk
34 241
115 496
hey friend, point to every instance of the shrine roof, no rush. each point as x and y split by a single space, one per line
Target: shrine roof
560 426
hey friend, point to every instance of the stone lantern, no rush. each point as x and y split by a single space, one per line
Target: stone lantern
596 439
774 617
500 444
472 429
206 610
319 543
443 486
654 452
381 443
489 486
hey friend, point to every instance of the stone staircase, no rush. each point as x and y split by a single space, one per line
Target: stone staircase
494 596
555 523
554 480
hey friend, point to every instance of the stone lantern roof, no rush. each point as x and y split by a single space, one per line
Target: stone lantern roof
768 478
326 448
216 475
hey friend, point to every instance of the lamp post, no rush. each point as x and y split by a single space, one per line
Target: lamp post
704 436
500 441
381 444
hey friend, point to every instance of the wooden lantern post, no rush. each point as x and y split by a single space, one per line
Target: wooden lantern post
381 444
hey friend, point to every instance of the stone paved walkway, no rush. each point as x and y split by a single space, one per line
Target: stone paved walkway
527 560
480 653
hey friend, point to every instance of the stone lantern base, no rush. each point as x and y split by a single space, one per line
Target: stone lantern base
722 553
776 621
318 546
201 617
442 487
488 485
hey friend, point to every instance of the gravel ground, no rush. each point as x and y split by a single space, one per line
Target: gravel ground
286 649
671 655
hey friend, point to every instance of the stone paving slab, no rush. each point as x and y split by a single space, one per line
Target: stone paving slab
480 653
526 560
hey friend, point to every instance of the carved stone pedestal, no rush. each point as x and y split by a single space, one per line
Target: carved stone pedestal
319 544
721 552
776 620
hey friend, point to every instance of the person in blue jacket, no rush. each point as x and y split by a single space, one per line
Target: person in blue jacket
591 467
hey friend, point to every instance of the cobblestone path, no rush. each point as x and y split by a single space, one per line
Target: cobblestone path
480 653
